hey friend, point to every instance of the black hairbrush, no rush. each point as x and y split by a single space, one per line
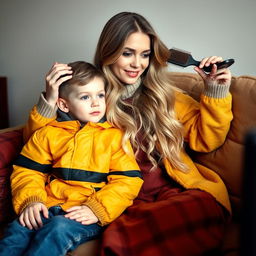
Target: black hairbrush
184 59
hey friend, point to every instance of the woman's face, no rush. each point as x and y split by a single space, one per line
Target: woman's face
134 58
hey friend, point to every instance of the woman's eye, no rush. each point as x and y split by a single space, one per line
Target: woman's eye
126 54
146 55
85 97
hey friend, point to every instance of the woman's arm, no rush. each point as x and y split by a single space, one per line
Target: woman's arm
46 108
206 123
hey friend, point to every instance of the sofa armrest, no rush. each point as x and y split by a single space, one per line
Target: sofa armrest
11 142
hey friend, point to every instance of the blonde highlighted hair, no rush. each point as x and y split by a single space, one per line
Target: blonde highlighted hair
148 121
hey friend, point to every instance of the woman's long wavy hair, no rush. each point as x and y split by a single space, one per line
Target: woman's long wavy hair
149 121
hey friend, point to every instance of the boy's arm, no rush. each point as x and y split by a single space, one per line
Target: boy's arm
30 173
123 185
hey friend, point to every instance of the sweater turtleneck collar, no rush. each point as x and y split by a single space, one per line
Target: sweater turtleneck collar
130 89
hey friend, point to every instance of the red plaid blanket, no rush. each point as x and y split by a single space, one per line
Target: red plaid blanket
177 223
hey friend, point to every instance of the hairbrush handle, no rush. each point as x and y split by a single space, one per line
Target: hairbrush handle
220 65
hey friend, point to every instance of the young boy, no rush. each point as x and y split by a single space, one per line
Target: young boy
73 176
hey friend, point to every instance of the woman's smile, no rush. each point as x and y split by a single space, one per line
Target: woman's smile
132 74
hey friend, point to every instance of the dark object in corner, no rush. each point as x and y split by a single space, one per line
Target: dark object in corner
248 217
4 116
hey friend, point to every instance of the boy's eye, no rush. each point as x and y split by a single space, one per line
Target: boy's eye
85 97
102 95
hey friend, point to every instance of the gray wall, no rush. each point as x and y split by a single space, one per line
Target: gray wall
35 33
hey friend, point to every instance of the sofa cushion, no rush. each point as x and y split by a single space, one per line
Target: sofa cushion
10 146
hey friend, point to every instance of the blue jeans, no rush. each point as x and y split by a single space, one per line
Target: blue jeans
56 237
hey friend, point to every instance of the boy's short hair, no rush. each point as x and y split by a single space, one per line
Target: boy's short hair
83 73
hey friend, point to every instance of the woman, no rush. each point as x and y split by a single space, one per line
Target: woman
182 207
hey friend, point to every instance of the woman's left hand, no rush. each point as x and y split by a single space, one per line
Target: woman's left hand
216 76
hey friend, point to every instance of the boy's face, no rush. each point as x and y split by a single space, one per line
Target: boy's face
86 103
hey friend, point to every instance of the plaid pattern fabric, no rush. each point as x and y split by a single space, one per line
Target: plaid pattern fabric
178 223
10 146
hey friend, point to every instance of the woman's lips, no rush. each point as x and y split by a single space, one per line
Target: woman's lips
132 74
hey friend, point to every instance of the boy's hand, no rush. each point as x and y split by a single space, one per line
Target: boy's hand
30 217
82 214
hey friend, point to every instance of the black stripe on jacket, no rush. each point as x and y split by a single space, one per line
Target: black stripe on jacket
90 176
72 174
127 173
79 175
25 162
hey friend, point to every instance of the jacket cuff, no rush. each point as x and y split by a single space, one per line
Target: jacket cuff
98 210
214 90
45 109
28 201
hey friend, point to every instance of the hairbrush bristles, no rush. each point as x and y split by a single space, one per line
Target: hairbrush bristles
179 57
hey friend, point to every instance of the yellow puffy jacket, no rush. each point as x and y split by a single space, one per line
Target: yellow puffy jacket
206 124
64 164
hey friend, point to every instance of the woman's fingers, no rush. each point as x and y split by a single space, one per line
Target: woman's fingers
210 60
56 72
223 77
200 72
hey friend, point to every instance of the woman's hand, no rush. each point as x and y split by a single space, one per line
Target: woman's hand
221 76
54 80
82 214
30 216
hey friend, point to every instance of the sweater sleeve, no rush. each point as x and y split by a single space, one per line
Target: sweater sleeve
123 185
206 123
40 115
30 173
